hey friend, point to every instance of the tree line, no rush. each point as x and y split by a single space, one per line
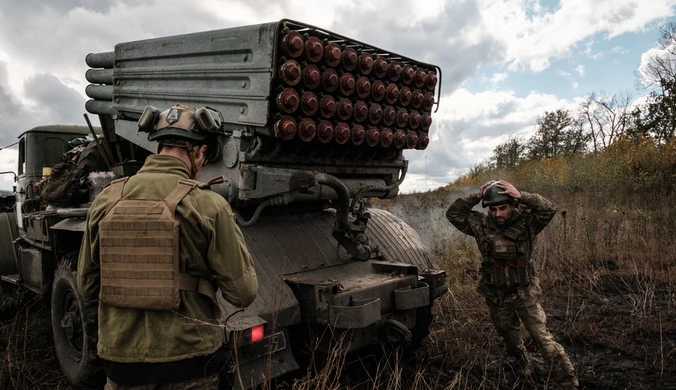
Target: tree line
600 119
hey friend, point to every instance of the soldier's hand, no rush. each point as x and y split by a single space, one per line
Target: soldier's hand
508 189
480 194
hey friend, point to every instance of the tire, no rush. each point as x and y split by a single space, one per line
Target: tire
74 325
423 321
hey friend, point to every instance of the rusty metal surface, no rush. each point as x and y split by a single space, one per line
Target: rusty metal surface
288 100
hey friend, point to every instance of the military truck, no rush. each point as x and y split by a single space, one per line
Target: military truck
315 124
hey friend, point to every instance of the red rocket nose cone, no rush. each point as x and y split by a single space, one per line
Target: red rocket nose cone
342 133
285 128
325 132
307 130
314 49
292 44
350 59
386 138
365 63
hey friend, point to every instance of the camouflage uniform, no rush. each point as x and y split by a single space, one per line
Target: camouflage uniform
514 298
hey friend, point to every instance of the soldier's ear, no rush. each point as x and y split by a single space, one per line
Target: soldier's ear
202 150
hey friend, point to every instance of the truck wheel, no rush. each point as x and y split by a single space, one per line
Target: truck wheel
74 325
423 321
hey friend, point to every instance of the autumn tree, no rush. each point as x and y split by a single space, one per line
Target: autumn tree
604 118
657 118
662 65
509 153
558 133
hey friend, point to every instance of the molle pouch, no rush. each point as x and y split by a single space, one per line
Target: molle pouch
487 272
139 247
499 278
512 276
503 248
523 271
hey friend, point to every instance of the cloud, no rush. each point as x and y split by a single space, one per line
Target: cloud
534 35
7 163
495 79
569 76
580 70
657 61
54 100
43 46
12 111
469 126
617 50
46 100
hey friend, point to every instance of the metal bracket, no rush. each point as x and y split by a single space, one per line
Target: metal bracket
411 298
361 314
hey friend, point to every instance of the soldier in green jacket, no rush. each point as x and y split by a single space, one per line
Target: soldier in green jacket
176 348
508 282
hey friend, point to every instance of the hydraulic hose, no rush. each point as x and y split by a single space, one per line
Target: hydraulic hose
364 190
342 208
254 218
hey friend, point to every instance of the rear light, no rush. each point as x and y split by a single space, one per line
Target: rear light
257 333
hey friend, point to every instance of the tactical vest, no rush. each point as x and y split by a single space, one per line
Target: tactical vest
507 256
139 252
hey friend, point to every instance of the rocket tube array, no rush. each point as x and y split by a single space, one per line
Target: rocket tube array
349 95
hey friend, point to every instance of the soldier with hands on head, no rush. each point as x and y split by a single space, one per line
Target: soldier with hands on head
155 247
508 282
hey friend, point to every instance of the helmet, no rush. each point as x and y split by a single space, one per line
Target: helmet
180 122
492 196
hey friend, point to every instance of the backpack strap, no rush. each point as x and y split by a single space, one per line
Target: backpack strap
196 284
185 281
115 192
176 195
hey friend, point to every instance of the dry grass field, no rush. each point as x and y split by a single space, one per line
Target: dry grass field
607 263
609 278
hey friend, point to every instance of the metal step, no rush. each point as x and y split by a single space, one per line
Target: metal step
14 279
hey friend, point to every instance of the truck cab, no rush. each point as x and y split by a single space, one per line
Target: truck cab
39 149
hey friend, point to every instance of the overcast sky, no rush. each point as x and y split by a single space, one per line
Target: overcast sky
504 62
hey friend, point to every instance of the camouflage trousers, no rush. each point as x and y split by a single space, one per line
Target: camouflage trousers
524 306
206 383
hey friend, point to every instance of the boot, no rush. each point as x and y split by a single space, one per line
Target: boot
522 365
569 382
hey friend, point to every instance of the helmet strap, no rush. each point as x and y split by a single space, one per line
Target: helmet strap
191 155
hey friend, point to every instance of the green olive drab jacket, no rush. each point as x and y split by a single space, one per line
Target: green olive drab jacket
210 243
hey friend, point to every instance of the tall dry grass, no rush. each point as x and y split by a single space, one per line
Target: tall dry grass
607 263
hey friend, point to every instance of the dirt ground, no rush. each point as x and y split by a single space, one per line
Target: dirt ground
612 344
616 339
